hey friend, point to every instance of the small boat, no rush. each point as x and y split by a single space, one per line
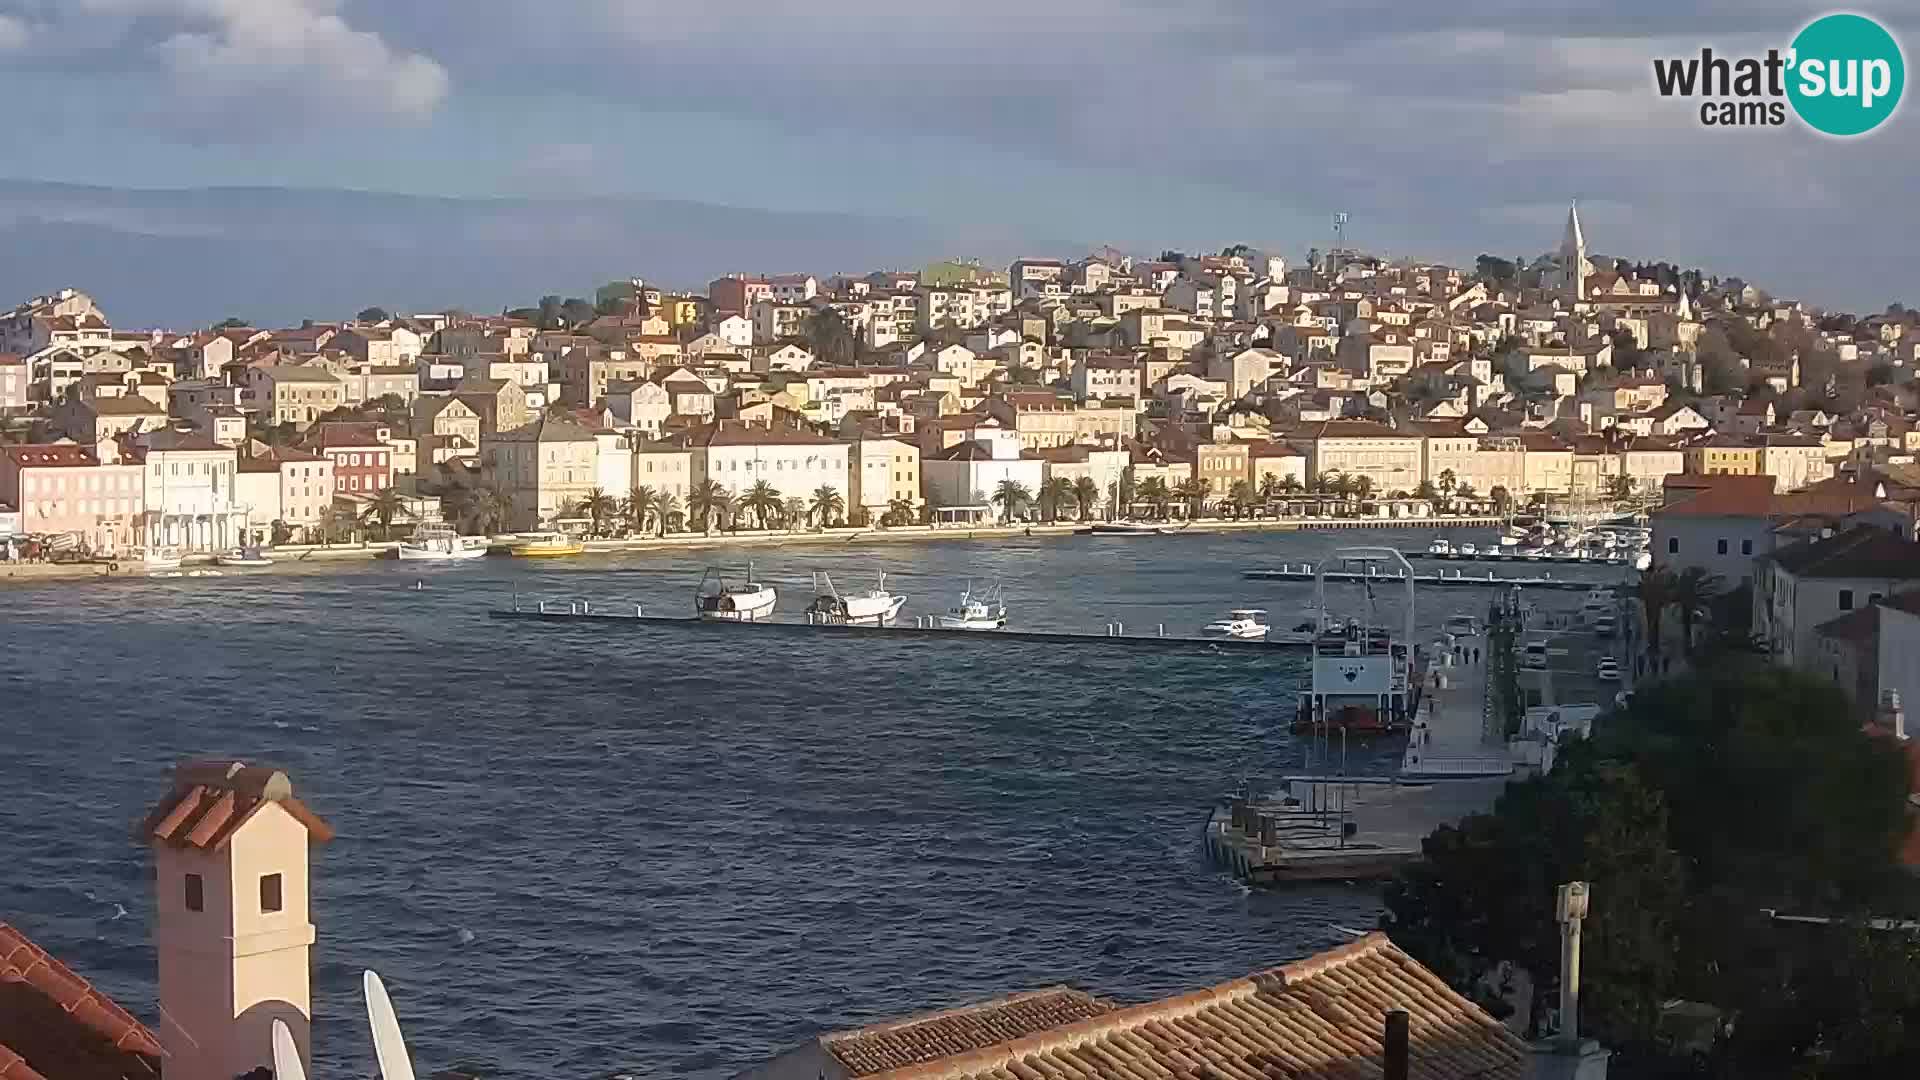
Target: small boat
1245 623
243 556
725 601
875 607
440 544
985 611
160 558
537 545
1125 527
1440 547
1469 549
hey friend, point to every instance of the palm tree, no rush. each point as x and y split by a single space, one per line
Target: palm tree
1240 497
1272 486
1693 590
710 503
1055 492
899 512
1502 499
1361 487
600 507
1465 491
1154 491
1620 488
1012 497
482 509
1193 491
794 511
827 506
637 508
385 505
1291 485
1426 490
763 499
1086 493
1655 590
665 506
1448 483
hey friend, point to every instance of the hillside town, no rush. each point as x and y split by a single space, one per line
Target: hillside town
1231 384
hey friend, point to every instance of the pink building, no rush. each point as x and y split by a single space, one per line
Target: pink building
66 489
13 383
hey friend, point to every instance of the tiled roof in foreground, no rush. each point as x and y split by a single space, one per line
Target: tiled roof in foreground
55 1026
921 1039
1318 1019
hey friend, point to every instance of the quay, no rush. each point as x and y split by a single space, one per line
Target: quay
1459 578
1321 827
1501 555
634 616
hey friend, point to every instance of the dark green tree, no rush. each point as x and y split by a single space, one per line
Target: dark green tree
372 315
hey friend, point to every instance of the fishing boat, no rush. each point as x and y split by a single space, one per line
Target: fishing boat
976 611
243 556
874 607
1245 623
1440 547
545 545
719 600
157 558
1362 676
440 544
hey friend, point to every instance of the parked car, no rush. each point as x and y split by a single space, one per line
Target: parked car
1533 654
1608 669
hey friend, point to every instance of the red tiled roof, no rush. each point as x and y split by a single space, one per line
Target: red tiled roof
920 1039
55 1026
1321 1018
210 800
1863 551
52 456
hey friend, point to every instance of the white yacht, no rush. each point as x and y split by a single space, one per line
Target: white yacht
874 607
1246 623
1469 549
244 556
1440 547
976 611
1125 527
441 544
733 601
159 558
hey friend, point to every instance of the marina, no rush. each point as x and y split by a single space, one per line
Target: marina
1457 579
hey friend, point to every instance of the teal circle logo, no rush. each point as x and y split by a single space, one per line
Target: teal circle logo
1846 76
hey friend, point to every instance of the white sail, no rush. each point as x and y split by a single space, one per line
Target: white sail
286 1056
388 1047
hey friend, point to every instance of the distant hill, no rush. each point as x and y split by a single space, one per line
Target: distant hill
277 255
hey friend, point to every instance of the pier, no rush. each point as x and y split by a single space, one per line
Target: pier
635 616
1338 828
1459 578
1504 555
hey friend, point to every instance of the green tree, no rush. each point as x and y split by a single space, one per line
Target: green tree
1155 493
372 315
1272 486
637 508
711 504
1694 590
1192 491
666 507
794 512
1291 485
1449 483
1655 592
1495 270
1240 497
763 501
1502 499
1425 490
381 510
1465 491
832 341
599 508
899 512
1086 493
233 324
480 509
1055 493
1620 487
1011 496
828 505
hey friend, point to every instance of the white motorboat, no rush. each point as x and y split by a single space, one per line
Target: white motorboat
1440 547
243 556
733 601
441 544
1469 549
1125 527
159 558
976 611
874 607
1246 623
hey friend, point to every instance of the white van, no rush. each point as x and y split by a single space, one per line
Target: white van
1534 654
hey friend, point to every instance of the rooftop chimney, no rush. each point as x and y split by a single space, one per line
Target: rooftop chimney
1567 1056
1395 1065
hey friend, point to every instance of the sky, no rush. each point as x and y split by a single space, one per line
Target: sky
1443 130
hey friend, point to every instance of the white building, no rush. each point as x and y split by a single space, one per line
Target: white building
1820 580
797 463
190 492
736 331
964 476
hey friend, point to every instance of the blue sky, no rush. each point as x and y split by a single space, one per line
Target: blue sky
1443 129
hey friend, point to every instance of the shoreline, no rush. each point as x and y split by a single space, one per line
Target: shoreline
30 573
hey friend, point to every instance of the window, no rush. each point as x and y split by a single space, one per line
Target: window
196 893
1746 547
1673 545
1721 547
269 893
1846 599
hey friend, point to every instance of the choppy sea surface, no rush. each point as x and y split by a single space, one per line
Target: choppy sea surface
579 850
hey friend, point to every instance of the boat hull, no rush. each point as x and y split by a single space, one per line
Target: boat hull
457 554
546 552
859 611
950 622
232 560
755 609
1257 634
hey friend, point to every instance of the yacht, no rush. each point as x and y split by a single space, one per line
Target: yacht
1363 667
1440 547
1246 623
158 558
439 544
731 601
243 556
976 611
544 545
1469 550
874 607
1124 527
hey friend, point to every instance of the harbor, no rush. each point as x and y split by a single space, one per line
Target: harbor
1456 579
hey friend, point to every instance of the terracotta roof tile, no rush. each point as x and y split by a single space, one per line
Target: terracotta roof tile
55 1026
1319 1019
896 1045
1863 551
211 800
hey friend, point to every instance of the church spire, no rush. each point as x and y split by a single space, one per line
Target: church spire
1685 310
1573 254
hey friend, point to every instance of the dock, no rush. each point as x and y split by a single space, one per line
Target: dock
1505 555
1342 828
1457 579
634 616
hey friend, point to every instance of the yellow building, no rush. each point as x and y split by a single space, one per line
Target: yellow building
1723 455
880 471
1222 465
